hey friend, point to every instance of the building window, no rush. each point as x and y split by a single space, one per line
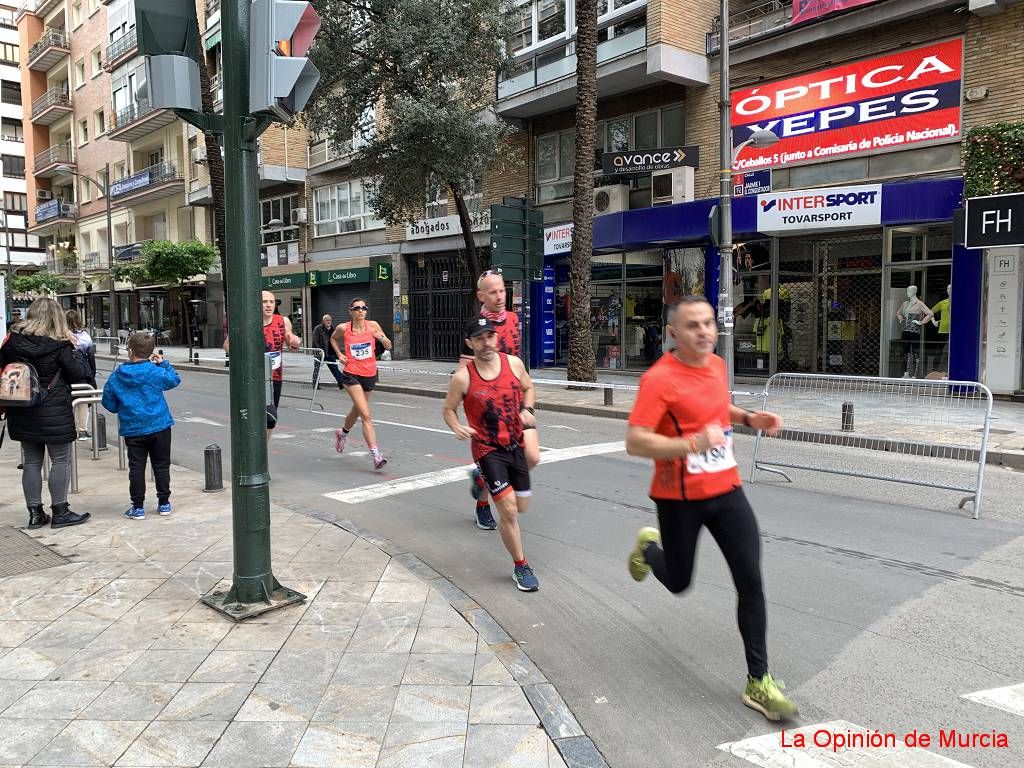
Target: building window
10 92
155 158
556 152
278 209
84 191
15 201
550 19
438 196
79 73
522 25
14 166
99 122
119 171
341 208
104 179
76 14
11 129
83 132
97 61
9 54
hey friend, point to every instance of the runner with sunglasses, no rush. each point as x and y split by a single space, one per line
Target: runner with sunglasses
490 292
359 338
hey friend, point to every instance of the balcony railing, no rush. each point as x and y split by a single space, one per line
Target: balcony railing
148 177
56 209
59 153
121 46
93 262
55 97
62 265
554 65
755 21
129 252
217 88
54 37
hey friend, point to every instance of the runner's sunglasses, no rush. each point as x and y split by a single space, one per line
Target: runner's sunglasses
358 308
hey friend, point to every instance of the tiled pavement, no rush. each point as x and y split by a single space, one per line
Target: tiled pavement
112 660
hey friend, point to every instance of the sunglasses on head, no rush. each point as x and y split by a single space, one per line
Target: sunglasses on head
358 308
489 272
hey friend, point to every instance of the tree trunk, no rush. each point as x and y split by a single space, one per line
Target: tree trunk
581 351
215 166
472 258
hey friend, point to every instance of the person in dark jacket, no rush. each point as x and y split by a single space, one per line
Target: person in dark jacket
85 345
322 340
44 341
135 392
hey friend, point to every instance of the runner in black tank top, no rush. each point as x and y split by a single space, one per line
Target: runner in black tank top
497 395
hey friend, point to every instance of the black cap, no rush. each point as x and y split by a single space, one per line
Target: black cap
478 326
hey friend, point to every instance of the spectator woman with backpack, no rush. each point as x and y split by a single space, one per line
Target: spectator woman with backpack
47 423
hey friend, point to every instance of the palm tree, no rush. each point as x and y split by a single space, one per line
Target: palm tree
581 352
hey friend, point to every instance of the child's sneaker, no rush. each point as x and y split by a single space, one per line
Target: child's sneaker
164 509
135 513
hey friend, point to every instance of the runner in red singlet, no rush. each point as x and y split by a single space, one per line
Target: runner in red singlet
277 333
497 395
490 292
357 355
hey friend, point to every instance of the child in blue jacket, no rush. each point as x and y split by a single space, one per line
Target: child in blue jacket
135 392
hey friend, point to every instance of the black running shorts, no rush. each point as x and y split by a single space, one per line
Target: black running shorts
505 471
272 408
351 380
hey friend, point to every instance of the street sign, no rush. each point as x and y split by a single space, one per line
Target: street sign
647 160
752 183
994 221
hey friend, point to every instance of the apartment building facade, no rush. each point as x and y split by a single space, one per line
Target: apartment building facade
870 103
21 251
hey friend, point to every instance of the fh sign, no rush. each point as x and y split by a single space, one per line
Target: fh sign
995 221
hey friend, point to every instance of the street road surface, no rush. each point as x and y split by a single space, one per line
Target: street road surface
886 605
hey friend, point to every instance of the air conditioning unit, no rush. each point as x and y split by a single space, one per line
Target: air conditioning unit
44 194
299 216
67 209
199 154
611 199
672 186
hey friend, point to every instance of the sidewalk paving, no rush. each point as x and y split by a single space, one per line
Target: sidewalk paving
430 378
110 659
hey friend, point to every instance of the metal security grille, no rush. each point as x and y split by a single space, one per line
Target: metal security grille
919 432
441 299
20 553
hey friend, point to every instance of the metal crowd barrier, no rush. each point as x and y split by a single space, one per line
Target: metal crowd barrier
82 396
301 368
922 432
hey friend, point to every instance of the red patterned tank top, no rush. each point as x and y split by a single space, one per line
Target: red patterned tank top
492 408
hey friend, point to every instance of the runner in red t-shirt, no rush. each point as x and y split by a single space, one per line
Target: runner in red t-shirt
683 419
357 355
497 395
490 292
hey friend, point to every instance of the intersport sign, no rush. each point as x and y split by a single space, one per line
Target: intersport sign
827 208
887 103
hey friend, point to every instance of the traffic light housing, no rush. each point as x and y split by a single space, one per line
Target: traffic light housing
281 78
517 238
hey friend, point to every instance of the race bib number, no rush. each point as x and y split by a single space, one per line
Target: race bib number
714 460
362 351
275 360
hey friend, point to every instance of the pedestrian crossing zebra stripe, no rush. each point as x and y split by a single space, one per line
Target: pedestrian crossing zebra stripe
1009 699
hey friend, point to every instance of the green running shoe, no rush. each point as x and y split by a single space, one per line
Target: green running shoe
766 696
638 567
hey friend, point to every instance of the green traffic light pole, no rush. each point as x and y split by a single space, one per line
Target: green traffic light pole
254 589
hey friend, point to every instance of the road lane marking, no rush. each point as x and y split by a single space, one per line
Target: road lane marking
560 426
396 405
199 420
1009 699
459 474
768 750
393 423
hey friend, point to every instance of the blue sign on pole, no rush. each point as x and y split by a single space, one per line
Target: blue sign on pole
752 183
548 316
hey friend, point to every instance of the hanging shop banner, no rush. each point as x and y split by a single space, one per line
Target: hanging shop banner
558 239
890 102
444 226
828 208
805 10
548 316
648 160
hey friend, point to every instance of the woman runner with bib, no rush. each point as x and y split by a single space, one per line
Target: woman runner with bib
356 355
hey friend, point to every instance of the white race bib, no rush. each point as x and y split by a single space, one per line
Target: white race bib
713 460
362 351
275 360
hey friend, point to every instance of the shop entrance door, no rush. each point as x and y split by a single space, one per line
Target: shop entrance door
825 318
441 299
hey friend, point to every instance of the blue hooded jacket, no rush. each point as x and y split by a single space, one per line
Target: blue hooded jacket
135 392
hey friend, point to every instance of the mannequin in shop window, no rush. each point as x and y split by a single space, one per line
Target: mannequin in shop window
614 311
941 310
912 315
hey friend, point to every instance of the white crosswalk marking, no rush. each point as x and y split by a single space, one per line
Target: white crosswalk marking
456 474
1009 699
780 750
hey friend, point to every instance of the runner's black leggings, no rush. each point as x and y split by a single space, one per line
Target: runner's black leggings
731 521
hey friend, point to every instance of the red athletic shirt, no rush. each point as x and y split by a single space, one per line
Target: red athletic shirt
492 408
507 332
273 341
676 400
359 349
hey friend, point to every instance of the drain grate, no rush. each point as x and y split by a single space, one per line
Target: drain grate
20 553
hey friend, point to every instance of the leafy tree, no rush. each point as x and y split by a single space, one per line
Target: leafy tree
581 353
426 69
46 283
